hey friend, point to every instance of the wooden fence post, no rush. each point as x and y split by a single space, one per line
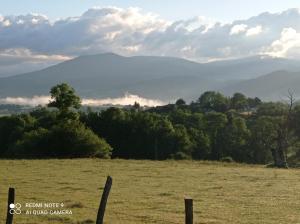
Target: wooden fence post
10 201
188 210
103 202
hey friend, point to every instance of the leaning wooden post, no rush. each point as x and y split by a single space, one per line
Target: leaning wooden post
10 206
103 202
188 210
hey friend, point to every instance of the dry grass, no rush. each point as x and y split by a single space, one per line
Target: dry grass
153 192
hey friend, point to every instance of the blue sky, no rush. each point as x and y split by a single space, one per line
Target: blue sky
224 11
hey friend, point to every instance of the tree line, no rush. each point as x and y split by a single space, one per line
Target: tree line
214 127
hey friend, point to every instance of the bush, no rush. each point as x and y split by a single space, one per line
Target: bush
227 159
65 140
180 156
32 144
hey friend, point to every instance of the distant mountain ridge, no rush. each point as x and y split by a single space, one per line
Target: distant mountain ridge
164 78
275 85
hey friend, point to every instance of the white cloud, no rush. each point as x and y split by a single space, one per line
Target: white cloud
254 31
20 60
112 35
131 31
237 29
20 21
127 99
34 101
23 54
6 23
132 49
287 46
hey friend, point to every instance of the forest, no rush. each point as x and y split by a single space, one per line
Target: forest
213 127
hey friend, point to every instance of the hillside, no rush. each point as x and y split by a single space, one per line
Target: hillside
272 86
110 75
164 78
252 67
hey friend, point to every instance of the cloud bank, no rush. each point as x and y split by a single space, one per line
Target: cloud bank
34 40
127 99
21 60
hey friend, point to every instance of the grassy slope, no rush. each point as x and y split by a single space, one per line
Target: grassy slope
153 192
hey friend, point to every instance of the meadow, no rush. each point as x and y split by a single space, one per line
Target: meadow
152 191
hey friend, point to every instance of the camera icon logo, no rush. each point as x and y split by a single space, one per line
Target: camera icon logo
15 209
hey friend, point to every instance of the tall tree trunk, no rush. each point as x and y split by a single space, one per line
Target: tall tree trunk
275 156
279 153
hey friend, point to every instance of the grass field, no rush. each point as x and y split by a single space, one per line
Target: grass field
153 192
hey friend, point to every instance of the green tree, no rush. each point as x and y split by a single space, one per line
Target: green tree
213 101
215 124
183 146
262 141
235 139
253 103
282 117
64 98
180 102
239 102
12 129
201 144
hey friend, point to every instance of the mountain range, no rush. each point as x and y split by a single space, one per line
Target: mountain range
164 78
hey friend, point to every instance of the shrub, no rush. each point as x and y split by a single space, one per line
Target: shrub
67 140
227 159
32 144
180 156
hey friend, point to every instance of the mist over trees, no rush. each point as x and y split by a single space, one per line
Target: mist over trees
214 127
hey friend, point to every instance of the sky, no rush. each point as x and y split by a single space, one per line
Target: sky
35 34
224 11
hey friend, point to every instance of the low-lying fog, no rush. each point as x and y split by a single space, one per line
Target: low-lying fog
127 99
